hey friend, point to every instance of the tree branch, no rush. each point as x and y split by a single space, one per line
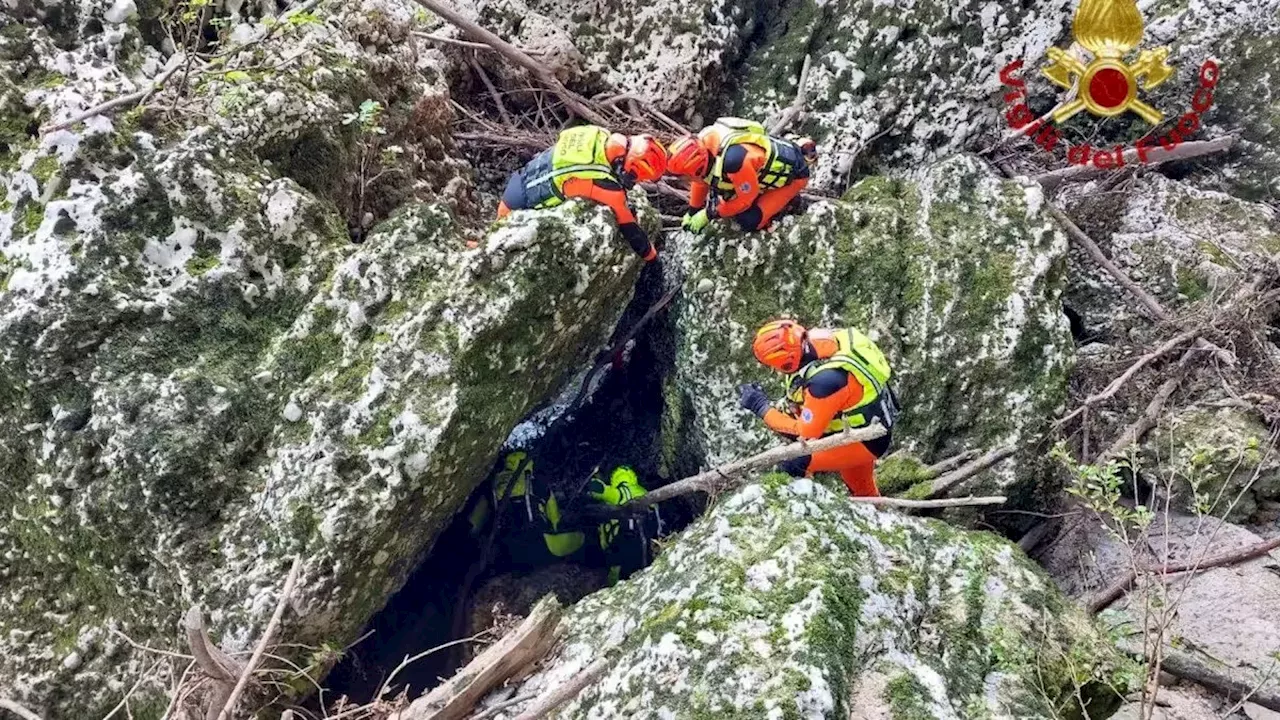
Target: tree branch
797 106
575 102
1151 415
944 483
722 477
493 92
925 504
16 709
116 103
1155 155
215 663
1111 593
1115 385
264 641
566 692
1183 665
950 463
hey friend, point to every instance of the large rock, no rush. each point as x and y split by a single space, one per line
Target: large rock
957 277
788 601
200 376
921 80
1180 243
1218 459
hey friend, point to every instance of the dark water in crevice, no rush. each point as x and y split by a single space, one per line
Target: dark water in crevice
620 424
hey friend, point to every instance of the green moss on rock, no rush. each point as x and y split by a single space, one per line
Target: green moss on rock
788 601
957 277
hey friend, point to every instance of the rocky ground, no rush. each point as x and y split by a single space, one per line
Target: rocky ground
259 310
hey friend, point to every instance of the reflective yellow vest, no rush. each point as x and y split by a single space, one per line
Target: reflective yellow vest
782 156
858 355
513 482
578 152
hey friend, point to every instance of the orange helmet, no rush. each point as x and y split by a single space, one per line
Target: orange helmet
689 158
779 344
642 155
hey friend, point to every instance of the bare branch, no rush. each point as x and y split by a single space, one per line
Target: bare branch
797 106
1168 346
111 106
1155 155
1151 415
408 660
950 463
462 43
265 640
943 484
548 703
575 102
1113 592
525 645
215 663
493 91
723 477
16 709
925 504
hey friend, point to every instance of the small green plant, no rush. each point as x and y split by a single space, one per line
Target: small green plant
376 160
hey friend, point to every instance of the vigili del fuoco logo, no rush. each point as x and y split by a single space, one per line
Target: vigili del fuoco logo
1106 86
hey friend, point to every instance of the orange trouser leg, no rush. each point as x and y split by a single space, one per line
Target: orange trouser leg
856 465
773 202
503 210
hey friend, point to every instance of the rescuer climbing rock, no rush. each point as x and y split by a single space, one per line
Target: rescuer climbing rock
754 175
835 379
590 163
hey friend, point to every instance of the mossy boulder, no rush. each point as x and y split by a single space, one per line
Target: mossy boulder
1216 460
958 277
904 82
788 601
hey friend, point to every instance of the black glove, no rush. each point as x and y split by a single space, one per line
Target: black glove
751 397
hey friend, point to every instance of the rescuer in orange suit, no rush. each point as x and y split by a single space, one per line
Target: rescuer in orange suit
594 164
754 175
835 379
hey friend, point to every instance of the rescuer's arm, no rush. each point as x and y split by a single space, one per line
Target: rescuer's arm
742 168
698 191
826 394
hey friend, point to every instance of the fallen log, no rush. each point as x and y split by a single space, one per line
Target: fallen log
1154 155
575 102
457 697
1181 664
728 475
1111 593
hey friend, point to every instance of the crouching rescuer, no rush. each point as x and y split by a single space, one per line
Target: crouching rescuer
594 164
740 171
835 379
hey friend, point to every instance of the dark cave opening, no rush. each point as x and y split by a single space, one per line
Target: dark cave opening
458 589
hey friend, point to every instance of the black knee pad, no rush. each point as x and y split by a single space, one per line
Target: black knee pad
795 467
749 220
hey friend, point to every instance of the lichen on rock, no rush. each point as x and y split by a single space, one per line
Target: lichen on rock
786 600
958 277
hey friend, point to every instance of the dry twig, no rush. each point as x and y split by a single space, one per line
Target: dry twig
943 484
493 91
264 641
1112 592
926 504
114 104
575 102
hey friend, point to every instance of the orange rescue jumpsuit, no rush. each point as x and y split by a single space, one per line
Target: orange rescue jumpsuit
607 193
826 394
754 210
